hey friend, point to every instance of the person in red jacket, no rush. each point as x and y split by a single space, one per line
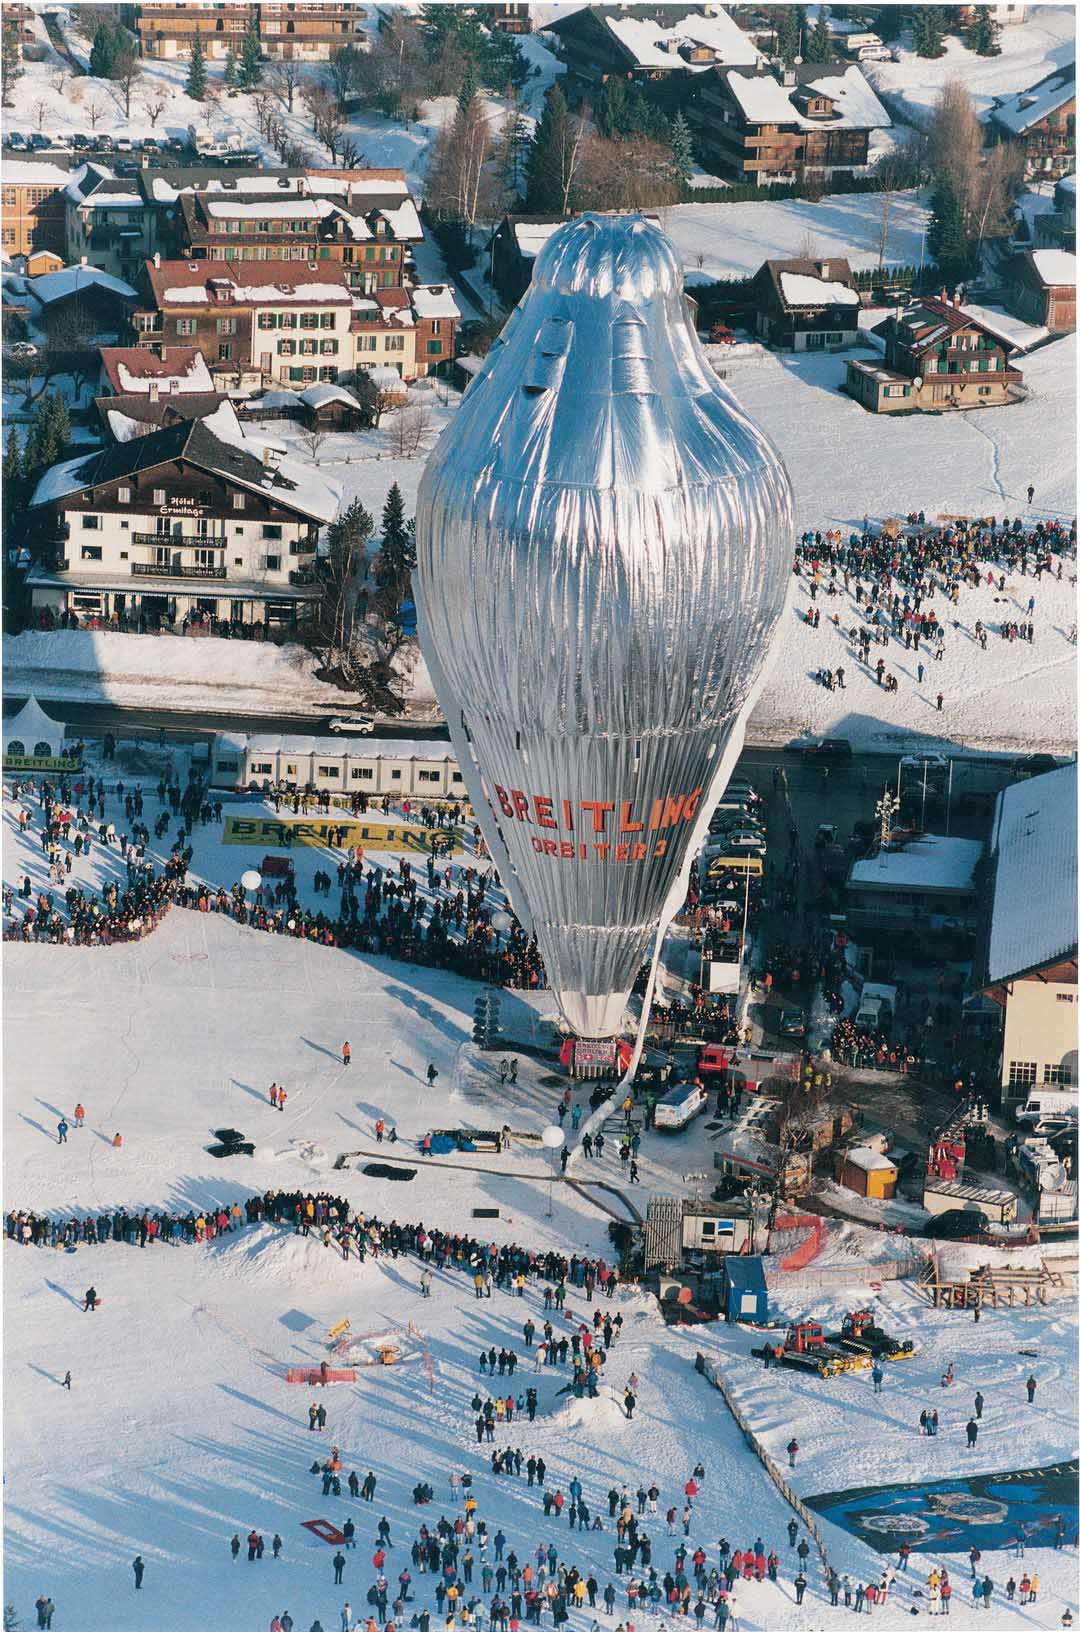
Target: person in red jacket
792 1452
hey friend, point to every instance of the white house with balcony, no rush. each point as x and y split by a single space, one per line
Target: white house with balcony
193 524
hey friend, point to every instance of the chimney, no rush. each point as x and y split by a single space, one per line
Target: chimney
152 391
270 458
82 260
823 269
157 258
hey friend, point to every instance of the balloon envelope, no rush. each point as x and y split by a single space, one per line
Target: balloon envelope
603 547
552 1137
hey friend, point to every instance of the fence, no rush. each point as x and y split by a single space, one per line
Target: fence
712 1372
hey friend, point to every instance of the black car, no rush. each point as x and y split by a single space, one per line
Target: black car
830 751
1035 764
959 1224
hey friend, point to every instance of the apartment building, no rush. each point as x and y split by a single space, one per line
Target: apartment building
34 206
305 32
193 521
106 223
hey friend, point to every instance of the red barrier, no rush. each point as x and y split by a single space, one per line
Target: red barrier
807 1250
325 1531
312 1374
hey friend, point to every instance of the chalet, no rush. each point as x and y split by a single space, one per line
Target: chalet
804 305
289 319
782 125
34 205
363 221
305 31
17 26
1028 962
137 413
1040 287
106 224
1056 228
510 17
653 45
1041 123
436 316
192 520
96 301
937 356
1003 15
163 372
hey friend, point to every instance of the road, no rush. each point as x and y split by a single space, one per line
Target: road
94 719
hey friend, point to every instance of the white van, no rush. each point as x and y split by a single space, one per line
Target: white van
1049 1105
680 1106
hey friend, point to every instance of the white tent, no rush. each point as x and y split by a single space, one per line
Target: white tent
31 734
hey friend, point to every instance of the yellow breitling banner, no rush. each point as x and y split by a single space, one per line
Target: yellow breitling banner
397 838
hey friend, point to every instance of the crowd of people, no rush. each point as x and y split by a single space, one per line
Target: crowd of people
865 1048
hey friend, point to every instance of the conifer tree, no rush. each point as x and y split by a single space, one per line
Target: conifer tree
982 32
196 79
682 147
250 59
819 45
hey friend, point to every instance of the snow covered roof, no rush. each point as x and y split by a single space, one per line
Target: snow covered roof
1013 330
60 480
83 180
800 290
870 1161
655 44
403 220
434 300
1055 266
247 283
337 747
765 101
1033 916
315 396
531 236
931 862
32 725
1027 108
136 368
30 173
51 286
386 378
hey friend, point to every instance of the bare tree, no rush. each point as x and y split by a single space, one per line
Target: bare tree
808 248
458 182
955 141
40 111
283 79
327 119
628 173
266 114
126 75
155 102
95 112
61 75
312 439
409 430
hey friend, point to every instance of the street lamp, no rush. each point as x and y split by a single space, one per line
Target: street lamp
552 1139
885 810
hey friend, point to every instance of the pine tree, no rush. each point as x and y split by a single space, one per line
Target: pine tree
103 51
232 72
250 59
946 235
11 68
982 32
611 109
682 147
397 552
547 154
928 31
787 35
196 79
12 467
819 45
469 87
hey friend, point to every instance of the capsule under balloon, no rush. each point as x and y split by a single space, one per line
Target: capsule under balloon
603 550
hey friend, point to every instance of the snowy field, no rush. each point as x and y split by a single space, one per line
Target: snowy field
1029 51
180 1429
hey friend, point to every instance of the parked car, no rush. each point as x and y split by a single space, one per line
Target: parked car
80 143
960 1224
104 144
792 1023
17 142
23 350
1035 764
744 838
124 144
830 751
40 142
359 725
721 335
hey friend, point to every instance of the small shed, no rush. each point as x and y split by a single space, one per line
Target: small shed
745 1295
33 741
867 1172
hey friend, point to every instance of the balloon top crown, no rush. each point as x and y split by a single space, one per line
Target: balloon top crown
625 256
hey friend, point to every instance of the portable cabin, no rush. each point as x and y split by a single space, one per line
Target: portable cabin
745 1295
867 1172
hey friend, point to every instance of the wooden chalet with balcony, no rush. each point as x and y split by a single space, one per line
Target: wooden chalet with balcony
937 356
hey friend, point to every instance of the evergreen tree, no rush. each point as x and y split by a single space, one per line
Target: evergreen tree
787 35
928 31
11 68
469 87
103 51
946 234
544 168
982 32
682 147
232 72
48 436
611 109
819 45
196 79
397 553
250 59
12 467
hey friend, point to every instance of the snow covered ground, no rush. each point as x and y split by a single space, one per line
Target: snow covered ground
1029 51
180 1428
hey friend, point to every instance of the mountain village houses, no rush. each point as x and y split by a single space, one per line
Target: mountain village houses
1041 123
937 356
302 32
804 305
1029 955
193 522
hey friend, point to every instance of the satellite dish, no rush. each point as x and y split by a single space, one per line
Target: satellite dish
552 1137
917 382
797 61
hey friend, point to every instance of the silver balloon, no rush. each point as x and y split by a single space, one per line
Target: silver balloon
603 546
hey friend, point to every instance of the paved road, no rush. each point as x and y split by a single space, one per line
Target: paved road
94 719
